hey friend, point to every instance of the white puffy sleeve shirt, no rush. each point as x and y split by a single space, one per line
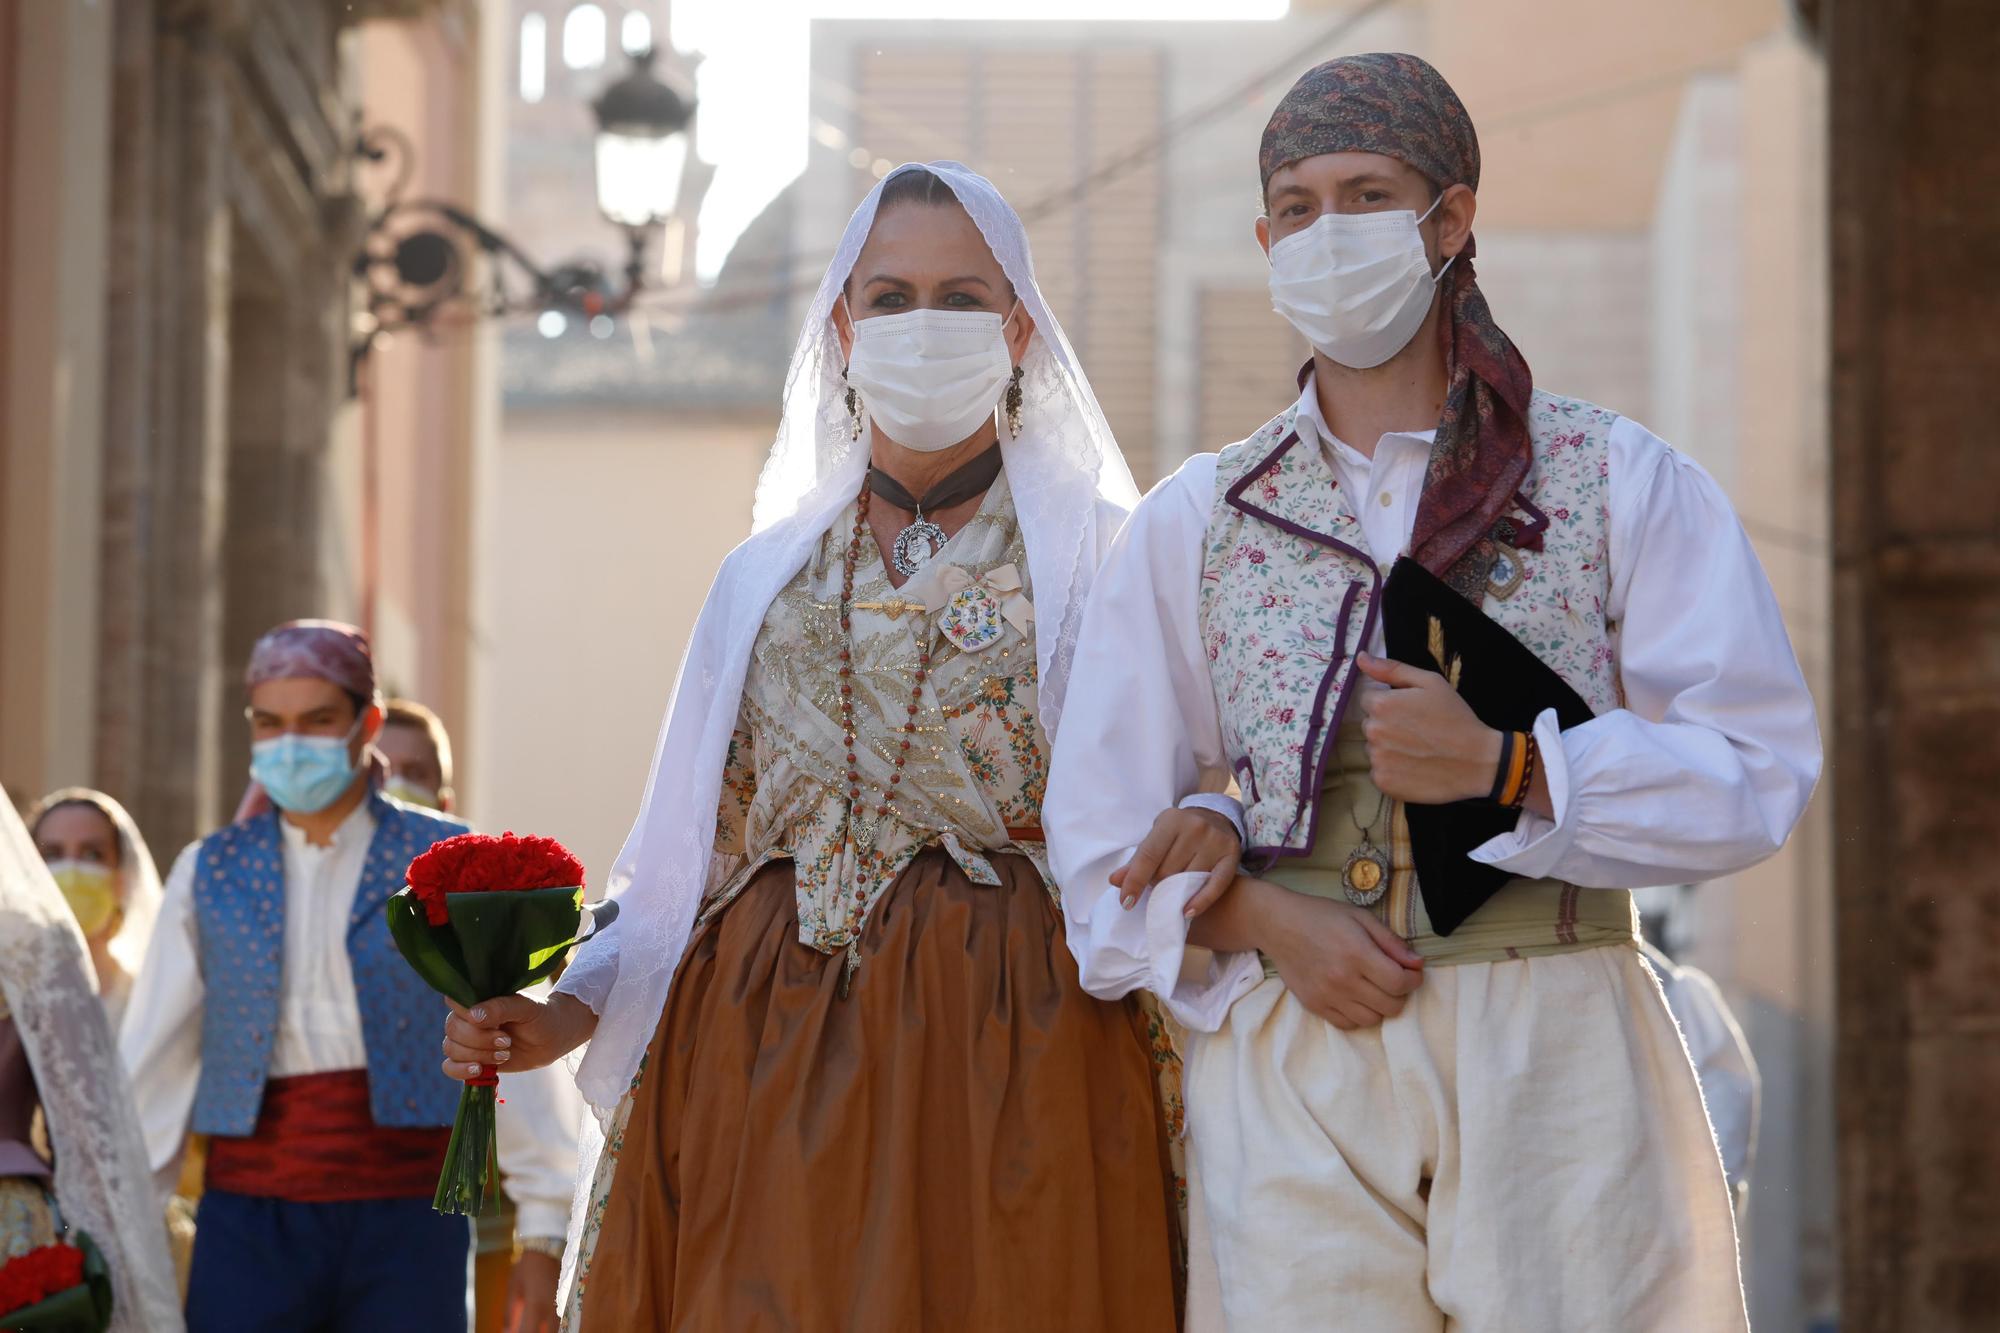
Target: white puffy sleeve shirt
1703 773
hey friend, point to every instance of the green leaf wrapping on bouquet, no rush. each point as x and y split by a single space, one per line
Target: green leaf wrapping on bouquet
496 943
81 1309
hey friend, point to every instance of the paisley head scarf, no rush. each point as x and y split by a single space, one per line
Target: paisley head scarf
1399 106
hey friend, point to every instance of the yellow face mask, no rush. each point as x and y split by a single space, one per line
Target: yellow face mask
409 793
91 891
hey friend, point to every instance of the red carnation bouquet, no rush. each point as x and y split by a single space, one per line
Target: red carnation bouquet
483 917
60 1288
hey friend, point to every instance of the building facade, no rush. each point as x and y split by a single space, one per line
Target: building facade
185 464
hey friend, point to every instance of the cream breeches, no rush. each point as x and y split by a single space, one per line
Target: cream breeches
1523 1149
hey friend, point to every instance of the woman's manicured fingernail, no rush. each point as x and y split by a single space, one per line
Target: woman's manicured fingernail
472 1071
479 1015
500 1057
1128 900
1188 911
503 1041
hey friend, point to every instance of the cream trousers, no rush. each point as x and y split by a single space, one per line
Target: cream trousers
1523 1148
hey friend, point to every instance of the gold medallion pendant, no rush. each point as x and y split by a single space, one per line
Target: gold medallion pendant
1366 876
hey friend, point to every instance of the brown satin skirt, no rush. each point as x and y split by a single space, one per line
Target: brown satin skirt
965 1141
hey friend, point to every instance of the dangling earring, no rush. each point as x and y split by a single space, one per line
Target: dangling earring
1014 404
853 407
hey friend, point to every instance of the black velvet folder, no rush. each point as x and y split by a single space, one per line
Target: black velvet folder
1426 624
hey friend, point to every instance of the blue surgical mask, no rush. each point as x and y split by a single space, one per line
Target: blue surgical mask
304 774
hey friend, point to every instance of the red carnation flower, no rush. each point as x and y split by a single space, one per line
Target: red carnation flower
31 1278
482 863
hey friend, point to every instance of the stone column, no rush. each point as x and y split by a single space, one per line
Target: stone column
1916 724
130 428
179 763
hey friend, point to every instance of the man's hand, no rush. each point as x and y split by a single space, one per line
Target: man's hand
1425 744
511 1033
1339 961
531 1293
1181 841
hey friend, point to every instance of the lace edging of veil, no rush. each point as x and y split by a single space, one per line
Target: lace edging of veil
103 1182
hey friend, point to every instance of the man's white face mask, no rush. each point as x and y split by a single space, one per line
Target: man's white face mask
1357 285
928 378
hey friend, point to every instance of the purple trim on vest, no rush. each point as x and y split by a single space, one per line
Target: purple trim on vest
1246 777
1313 747
1530 537
1313 772
1234 496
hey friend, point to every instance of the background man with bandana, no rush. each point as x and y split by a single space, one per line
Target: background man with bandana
277 1018
1406 1115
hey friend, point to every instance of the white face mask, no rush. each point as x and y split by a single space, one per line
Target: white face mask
1357 285
929 378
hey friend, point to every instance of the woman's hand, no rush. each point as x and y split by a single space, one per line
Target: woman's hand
1338 960
1181 841
1425 744
512 1032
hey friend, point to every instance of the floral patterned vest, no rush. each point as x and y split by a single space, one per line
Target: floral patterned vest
1288 597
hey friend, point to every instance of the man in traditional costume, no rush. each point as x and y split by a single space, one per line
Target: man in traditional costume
276 1016
1455 1100
57 1058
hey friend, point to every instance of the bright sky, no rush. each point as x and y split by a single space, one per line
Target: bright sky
753 81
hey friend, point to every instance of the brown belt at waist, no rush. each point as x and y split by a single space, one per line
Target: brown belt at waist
316 1141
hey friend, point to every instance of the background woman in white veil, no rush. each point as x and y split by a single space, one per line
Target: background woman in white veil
100 861
56 1051
873 1095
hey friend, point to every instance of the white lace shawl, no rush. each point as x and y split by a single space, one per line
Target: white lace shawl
1071 491
102 1183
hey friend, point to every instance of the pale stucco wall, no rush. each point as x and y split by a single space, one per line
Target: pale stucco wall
607 529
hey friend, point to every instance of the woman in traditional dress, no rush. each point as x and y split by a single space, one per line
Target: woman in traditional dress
873 1095
101 863
56 1057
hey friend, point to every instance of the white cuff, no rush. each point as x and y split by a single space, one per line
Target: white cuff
541 1219
1196 985
591 973
1535 846
1222 803
1121 950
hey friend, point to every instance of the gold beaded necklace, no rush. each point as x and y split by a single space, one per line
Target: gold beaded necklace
847 696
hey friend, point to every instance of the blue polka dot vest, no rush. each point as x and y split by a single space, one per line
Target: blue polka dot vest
239 902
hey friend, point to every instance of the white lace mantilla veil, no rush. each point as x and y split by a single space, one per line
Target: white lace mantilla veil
103 1184
1071 491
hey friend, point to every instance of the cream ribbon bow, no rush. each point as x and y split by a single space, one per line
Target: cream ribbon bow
1002 583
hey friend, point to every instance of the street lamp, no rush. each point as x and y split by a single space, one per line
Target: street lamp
642 152
642 147
417 256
